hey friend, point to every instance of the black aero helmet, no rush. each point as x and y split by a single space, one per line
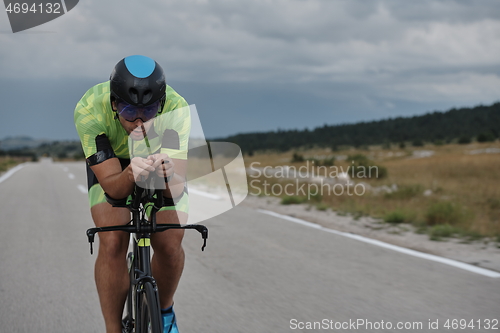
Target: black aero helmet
138 80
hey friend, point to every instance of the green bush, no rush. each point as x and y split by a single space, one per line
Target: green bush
297 158
439 142
405 192
486 137
399 216
322 206
363 167
471 235
444 213
438 232
358 159
328 161
316 197
79 154
315 161
292 200
493 203
396 216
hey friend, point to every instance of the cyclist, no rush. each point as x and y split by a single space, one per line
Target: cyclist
105 117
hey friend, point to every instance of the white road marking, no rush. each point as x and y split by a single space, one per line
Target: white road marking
82 189
454 263
11 172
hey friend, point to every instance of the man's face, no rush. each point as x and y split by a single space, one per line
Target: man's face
136 129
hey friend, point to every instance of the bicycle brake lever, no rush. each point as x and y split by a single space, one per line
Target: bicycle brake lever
204 235
91 235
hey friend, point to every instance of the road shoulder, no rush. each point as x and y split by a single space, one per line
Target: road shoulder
482 253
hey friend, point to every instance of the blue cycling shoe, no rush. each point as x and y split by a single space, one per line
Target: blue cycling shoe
169 322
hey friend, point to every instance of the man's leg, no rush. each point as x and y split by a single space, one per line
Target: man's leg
111 273
168 259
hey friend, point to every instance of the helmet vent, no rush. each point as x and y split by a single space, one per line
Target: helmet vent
134 95
148 94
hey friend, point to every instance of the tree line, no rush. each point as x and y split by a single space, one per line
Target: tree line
462 125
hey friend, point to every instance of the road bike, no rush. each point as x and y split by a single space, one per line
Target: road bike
142 309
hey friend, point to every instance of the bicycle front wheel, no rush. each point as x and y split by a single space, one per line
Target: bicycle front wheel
149 316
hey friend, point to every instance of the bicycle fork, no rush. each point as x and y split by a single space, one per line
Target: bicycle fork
139 267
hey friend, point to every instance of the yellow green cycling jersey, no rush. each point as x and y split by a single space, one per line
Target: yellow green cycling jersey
103 137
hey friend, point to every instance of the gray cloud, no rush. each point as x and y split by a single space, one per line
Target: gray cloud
374 58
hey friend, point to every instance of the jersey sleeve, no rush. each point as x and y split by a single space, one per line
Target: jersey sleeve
176 126
175 141
95 143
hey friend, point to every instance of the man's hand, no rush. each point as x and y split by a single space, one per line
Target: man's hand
163 165
140 168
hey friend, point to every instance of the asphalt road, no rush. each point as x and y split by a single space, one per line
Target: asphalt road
259 273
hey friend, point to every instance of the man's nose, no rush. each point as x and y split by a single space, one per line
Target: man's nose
138 122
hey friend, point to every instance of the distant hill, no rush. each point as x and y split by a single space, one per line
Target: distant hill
25 146
20 142
463 124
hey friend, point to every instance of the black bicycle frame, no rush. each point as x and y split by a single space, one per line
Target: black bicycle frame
140 264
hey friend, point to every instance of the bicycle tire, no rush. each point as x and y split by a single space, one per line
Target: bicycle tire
128 319
149 316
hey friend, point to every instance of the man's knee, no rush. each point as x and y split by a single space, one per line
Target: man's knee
168 243
113 244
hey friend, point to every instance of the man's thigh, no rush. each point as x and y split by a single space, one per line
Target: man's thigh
104 215
169 240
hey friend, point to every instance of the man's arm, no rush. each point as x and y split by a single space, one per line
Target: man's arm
113 180
119 184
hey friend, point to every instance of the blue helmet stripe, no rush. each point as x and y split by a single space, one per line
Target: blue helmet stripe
140 66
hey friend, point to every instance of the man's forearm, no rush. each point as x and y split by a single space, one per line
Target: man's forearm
118 186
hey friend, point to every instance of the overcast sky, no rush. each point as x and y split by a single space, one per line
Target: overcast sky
261 64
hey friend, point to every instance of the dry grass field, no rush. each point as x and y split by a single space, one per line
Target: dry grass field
444 190
8 162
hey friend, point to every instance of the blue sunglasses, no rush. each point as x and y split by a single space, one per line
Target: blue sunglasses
132 113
